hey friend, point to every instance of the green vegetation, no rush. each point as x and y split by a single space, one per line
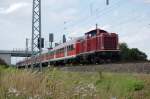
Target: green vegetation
56 84
132 54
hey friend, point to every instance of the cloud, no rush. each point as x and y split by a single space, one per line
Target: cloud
147 1
55 12
78 31
134 39
12 8
106 27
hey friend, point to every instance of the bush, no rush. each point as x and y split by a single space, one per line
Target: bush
138 86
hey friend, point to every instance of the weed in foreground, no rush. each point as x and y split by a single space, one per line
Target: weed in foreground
55 84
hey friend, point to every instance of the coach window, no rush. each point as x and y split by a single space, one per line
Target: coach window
56 51
53 52
50 53
72 47
68 48
59 50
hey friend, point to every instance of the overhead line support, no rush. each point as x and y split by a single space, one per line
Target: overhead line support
36 32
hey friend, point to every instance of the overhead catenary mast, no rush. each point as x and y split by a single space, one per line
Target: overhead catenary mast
36 32
107 2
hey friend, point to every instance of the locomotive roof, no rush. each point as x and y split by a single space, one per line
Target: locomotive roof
100 30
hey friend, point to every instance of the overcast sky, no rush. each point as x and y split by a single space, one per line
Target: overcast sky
128 18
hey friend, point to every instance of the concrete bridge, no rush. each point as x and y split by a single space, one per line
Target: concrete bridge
7 54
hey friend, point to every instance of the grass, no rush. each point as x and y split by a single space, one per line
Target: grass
56 84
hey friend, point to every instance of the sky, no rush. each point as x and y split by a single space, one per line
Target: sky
130 19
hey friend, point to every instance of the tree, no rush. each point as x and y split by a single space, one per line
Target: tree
2 62
124 51
133 54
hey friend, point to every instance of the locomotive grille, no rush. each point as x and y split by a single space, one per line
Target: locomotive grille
110 43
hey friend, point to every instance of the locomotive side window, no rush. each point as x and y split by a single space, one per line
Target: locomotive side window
91 34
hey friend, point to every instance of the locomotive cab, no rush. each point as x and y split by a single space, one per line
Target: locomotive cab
95 32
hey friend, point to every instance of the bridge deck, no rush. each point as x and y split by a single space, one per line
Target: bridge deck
16 53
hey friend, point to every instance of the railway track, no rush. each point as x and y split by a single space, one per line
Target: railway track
119 68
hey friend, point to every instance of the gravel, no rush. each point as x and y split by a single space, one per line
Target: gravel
120 67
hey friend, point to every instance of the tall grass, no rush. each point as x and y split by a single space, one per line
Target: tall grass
55 84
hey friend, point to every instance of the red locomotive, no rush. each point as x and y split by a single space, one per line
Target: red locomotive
97 46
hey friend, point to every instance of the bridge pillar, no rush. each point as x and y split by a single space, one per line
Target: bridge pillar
6 58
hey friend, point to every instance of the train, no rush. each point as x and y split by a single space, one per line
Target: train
95 47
